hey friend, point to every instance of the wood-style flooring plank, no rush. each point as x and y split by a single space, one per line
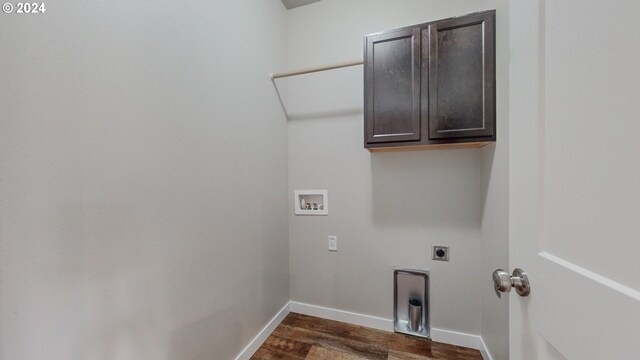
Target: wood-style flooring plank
319 353
329 341
302 337
264 354
293 349
399 355
410 344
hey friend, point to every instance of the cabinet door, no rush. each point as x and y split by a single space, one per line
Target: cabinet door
392 86
462 78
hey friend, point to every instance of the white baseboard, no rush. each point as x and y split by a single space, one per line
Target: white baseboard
257 341
341 315
457 338
486 355
439 335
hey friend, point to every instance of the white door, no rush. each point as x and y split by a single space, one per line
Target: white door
575 178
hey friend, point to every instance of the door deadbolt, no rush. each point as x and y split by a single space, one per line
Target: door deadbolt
503 282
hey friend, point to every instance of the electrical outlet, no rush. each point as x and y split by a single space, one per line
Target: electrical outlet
440 253
333 243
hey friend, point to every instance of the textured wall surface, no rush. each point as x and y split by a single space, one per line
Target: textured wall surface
143 180
143 164
388 209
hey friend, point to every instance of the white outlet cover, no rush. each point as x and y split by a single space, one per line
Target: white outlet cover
333 243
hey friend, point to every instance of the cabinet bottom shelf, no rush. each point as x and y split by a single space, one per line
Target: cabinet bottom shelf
468 145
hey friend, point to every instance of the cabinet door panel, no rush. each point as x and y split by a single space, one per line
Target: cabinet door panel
392 87
462 80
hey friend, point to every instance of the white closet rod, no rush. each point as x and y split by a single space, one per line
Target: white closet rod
317 68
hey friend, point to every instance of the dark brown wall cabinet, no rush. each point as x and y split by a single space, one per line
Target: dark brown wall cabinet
431 85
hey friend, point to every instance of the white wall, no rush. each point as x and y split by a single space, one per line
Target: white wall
495 215
388 209
143 160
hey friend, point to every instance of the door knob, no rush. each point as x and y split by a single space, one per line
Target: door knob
503 282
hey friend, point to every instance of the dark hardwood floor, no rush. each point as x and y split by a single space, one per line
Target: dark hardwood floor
311 338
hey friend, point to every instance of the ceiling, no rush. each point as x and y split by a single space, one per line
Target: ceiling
290 4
